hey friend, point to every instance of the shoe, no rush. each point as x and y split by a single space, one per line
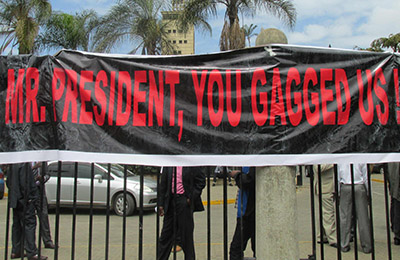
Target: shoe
230 184
367 251
213 184
346 249
325 241
36 257
50 245
177 249
333 245
16 255
397 241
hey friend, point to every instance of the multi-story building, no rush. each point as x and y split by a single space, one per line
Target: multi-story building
182 41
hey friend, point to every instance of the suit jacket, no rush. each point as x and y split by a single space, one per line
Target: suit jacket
193 180
394 180
327 179
21 185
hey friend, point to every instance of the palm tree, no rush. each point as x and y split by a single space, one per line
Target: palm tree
249 32
393 42
197 12
68 31
136 20
20 21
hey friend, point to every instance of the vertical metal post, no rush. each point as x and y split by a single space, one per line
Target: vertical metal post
91 211
241 213
339 251
225 195
174 173
321 218
353 200
57 235
74 210
371 220
389 242
314 247
208 214
8 220
141 213
300 176
124 214
108 211
158 213
41 193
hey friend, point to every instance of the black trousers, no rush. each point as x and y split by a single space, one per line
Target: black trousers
238 245
43 214
183 230
19 231
395 212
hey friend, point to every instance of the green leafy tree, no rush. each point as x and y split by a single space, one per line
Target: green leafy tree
393 42
68 31
197 12
138 21
249 32
20 21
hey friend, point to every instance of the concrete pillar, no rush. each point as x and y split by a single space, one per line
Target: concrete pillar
276 213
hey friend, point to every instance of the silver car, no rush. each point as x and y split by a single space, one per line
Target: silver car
100 187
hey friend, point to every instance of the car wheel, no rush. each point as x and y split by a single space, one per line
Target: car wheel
118 204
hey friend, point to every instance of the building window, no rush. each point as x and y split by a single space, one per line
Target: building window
174 42
185 41
174 31
169 31
180 41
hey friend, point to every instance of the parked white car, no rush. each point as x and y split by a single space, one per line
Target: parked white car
100 187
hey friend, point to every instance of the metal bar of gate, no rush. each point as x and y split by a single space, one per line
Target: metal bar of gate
389 242
314 247
57 233
321 226
174 173
91 211
371 220
40 213
354 218
208 214
7 223
225 215
141 214
338 243
158 213
108 212
124 214
74 210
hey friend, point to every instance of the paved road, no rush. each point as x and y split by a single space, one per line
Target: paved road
217 239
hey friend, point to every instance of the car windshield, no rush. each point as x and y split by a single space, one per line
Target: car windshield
118 170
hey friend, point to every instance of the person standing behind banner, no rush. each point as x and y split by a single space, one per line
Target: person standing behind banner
41 176
23 195
327 203
361 206
181 202
394 189
245 222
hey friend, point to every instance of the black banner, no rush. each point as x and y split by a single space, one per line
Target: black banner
273 105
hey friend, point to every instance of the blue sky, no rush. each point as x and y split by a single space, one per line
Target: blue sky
341 23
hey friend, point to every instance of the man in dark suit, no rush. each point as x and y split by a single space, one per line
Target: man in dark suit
41 176
246 219
178 198
23 194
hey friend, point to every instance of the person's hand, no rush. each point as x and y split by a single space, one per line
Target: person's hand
161 211
188 201
233 173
